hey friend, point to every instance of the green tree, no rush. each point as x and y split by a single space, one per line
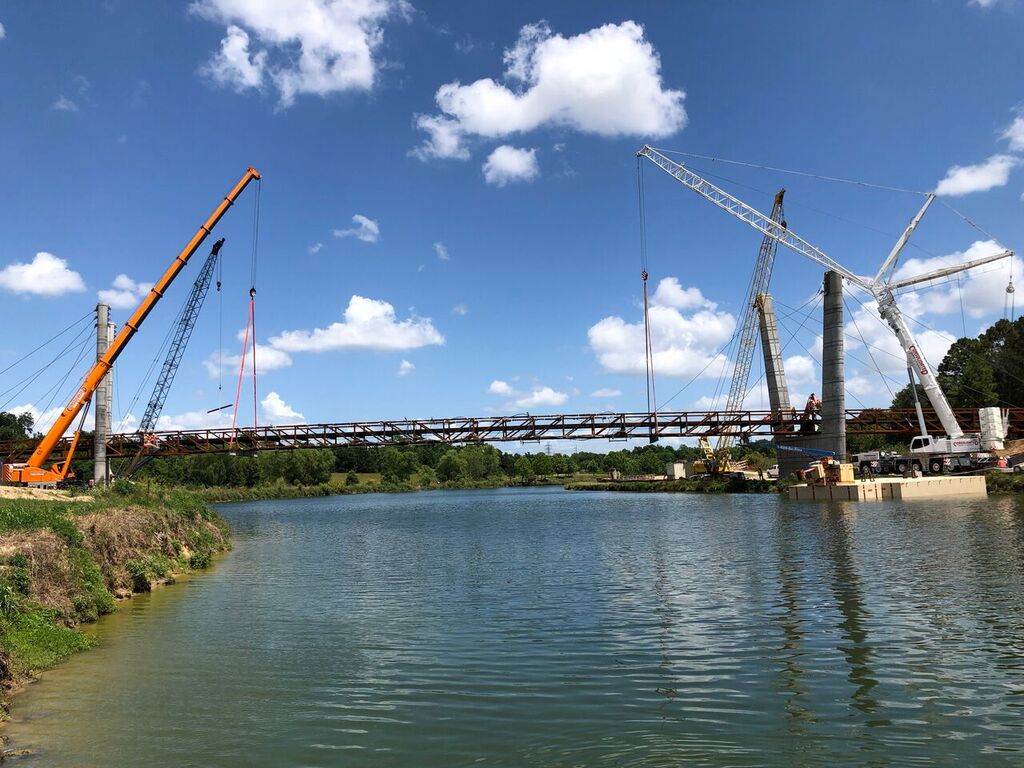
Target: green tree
427 476
396 466
452 467
523 468
15 427
482 461
542 464
757 462
351 478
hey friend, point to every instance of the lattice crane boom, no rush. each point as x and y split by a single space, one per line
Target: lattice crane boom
186 323
748 331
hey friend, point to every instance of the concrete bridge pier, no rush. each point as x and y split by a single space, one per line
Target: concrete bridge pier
826 432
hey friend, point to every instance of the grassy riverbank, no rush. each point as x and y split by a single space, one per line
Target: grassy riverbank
64 559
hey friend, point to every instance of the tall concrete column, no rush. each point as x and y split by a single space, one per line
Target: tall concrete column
833 376
774 372
101 400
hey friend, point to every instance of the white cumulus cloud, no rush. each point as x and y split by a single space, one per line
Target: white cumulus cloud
125 293
460 309
365 229
799 369
315 248
277 411
268 358
606 81
606 392
508 164
234 66
540 396
671 294
318 47
45 275
965 179
499 387
683 344
1014 133
3 32
405 368
63 104
442 251
368 324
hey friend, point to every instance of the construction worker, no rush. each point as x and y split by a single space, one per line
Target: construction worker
813 407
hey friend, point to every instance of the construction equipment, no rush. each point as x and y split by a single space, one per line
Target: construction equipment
719 460
33 470
186 323
882 288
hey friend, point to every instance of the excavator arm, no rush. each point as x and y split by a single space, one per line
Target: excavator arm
33 470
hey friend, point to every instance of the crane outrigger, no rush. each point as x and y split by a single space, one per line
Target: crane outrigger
33 470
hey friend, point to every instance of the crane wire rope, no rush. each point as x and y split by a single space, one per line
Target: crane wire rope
652 396
157 358
250 326
57 388
24 383
818 176
717 352
23 358
871 354
252 294
886 378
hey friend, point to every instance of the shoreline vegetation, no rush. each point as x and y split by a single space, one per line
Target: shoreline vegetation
66 559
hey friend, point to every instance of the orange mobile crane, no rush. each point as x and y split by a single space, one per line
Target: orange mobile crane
33 470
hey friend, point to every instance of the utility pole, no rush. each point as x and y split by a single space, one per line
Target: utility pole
103 398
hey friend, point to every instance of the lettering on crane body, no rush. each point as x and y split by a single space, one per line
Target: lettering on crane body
922 366
79 397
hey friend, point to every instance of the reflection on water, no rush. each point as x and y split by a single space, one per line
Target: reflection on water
542 628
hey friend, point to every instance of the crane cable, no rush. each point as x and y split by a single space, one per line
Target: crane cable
652 394
818 176
252 295
220 325
250 326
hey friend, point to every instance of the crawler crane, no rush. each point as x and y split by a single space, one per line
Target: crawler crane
34 470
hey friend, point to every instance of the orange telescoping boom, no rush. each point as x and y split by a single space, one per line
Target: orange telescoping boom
33 470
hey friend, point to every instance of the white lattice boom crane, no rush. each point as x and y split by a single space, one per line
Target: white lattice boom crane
878 286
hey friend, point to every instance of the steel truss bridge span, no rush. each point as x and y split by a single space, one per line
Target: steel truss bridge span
524 428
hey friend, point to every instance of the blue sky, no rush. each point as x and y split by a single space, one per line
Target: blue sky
449 222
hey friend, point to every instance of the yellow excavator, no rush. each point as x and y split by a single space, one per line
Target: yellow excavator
34 470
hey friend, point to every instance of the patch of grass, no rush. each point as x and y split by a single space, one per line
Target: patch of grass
33 514
141 530
34 640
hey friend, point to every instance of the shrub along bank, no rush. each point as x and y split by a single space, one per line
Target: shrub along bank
64 560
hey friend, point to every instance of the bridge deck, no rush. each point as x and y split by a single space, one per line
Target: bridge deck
498 429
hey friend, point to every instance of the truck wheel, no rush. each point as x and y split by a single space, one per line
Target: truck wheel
935 466
865 467
1017 469
901 467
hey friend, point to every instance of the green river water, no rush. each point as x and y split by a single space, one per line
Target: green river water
539 627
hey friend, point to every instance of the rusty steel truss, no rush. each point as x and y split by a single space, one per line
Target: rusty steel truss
506 429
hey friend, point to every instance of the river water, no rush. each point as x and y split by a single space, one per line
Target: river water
540 627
